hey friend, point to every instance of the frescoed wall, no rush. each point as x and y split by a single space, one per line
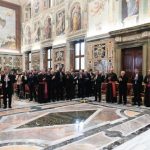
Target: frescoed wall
100 55
98 15
35 60
7 28
59 58
75 17
130 10
60 22
47 29
12 61
57 23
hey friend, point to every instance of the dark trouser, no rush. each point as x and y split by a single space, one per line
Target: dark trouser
137 95
81 91
18 90
32 93
97 91
60 91
122 94
87 89
41 93
109 94
23 89
7 94
53 93
69 93
49 93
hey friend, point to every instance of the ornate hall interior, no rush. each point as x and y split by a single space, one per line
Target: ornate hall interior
65 60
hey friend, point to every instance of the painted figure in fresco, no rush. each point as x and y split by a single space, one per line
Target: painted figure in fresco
76 17
59 2
60 28
132 7
97 7
36 6
37 32
59 56
47 28
2 22
28 34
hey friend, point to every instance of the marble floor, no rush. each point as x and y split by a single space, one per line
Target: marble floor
74 125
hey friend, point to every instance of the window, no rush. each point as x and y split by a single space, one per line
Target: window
79 55
49 58
30 61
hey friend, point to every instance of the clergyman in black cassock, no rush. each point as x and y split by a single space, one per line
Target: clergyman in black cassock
111 93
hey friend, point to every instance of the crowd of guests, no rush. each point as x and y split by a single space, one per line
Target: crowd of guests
47 86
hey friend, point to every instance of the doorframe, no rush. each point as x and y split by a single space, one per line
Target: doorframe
131 44
130 49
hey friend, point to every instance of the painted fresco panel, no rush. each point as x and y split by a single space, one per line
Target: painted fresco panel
7 28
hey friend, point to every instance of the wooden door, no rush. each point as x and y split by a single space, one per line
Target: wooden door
132 59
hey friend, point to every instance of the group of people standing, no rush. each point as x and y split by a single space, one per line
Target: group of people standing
60 85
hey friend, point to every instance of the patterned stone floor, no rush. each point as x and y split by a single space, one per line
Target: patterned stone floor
73 125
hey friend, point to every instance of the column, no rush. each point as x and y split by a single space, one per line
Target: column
148 55
43 59
117 60
26 61
145 61
67 59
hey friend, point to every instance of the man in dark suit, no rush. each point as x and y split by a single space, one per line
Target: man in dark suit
123 80
32 81
81 84
7 87
137 87
97 85
60 80
87 83
49 84
69 85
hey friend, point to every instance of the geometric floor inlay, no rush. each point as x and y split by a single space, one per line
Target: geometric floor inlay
59 119
72 125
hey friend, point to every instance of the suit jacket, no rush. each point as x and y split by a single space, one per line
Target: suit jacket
8 84
137 82
123 83
98 81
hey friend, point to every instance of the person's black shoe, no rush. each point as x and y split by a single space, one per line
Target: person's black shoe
4 107
10 107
